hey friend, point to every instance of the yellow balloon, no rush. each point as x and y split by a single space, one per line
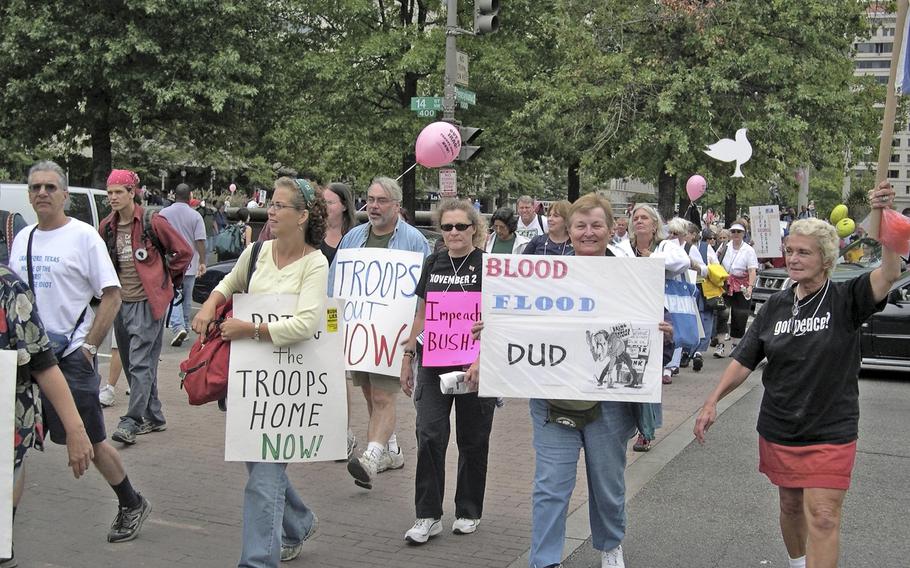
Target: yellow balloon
845 227
838 213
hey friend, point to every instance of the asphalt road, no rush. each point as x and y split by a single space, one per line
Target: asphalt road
710 507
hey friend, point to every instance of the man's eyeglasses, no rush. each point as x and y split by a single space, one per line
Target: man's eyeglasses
37 187
381 201
460 227
280 206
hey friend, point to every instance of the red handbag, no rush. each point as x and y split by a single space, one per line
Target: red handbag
204 373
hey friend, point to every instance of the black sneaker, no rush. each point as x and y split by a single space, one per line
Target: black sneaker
128 522
684 360
124 435
178 338
697 362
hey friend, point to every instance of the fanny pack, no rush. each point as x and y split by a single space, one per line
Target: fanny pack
573 413
59 342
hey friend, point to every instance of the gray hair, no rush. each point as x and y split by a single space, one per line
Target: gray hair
390 186
824 234
659 232
50 166
525 199
678 226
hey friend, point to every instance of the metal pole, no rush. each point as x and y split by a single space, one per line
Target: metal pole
448 90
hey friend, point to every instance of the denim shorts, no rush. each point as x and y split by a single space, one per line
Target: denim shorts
83 381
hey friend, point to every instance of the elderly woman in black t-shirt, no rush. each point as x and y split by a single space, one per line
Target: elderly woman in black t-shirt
809 414
457 268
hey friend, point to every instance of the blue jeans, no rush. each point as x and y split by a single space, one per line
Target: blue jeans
181 313
273 514
139 341
556 451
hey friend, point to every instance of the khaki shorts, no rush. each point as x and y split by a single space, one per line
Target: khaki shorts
385 383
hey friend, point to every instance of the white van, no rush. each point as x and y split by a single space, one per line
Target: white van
84 203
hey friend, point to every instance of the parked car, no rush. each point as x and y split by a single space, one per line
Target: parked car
859 257
85 203
215 272
885 337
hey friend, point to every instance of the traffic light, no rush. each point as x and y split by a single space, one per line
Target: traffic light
486 16
468 152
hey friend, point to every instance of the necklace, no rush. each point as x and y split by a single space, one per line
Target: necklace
797 306
456 270
562 251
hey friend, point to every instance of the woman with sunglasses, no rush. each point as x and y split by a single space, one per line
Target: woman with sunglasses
741 263
457 268
276 521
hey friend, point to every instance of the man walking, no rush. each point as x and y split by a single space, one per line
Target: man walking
66 264
385 229
148 255
189 224
530 223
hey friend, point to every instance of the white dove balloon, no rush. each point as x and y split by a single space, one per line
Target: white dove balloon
726 150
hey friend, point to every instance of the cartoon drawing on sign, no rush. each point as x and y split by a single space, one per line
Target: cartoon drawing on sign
612 349
726 150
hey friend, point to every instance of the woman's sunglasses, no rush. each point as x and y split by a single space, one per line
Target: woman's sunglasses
460 227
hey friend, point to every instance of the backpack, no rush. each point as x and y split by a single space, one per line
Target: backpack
7 232
229 242
204 373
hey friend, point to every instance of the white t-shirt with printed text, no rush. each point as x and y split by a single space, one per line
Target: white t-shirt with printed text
71 265
534 228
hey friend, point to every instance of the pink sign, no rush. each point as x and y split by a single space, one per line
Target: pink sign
447 337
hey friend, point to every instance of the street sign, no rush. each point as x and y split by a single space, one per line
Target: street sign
461 73
463 105
426 103
426 113
465 96
448 184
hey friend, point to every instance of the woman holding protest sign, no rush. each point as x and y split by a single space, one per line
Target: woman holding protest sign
449 290
276 521
602 429
808 421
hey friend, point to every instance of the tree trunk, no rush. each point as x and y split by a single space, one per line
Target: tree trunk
99 107
409 183
666 193
729 208
573 180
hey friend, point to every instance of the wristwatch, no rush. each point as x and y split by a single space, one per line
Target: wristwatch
92 349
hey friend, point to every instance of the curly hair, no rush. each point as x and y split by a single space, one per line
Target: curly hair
507 216
315 225
825 236
480 224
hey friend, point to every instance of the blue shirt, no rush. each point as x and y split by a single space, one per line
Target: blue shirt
404 237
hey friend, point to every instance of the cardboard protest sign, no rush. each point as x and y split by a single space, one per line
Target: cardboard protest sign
378 286
765 230
286 404
8 369
580 328
447 337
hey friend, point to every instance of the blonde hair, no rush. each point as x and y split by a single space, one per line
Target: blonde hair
824 234
678 226
561 208
659 233
480 224
590 202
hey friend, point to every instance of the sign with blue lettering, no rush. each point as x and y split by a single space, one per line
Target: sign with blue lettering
378 285
286 404
577 328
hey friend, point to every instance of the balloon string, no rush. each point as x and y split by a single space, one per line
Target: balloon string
414 165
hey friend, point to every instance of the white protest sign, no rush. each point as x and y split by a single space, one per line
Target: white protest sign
286 404
378 286
579 328
8 370
766 231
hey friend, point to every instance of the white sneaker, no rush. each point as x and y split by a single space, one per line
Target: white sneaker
720 351
363 469
388 460
612 558
352 443
465 526
106 395
422 530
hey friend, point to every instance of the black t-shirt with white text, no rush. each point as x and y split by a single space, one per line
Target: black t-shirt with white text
811 380
438 274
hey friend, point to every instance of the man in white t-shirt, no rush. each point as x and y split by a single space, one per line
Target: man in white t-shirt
530 224
70 264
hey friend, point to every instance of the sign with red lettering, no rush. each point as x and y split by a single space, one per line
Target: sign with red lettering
286 404
447 339
572 327
378 287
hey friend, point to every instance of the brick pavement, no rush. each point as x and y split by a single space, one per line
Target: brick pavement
196 496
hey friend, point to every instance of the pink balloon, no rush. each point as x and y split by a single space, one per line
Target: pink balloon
438 144
695 187
232 187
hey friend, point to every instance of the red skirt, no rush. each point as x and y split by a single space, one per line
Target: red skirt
826 466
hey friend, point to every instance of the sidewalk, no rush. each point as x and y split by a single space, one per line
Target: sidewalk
196 496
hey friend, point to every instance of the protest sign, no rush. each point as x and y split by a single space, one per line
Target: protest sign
579 328
286 404
765 230
8 369
447 337
378 286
